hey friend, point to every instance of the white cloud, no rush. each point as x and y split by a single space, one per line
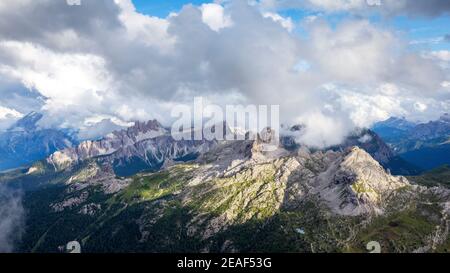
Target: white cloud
214 16
7 117
64 78
364 110
421 107
152 31
97 126
284 22
338 5
388 89
7 113
322 130
355 51
442 55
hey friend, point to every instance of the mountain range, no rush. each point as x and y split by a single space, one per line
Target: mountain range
393 143
139 190
425 145
144 146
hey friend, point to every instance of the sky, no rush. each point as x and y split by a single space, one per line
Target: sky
163 8
423 31
332 65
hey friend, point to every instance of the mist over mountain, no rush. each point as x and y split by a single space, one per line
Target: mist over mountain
125 191
12 218
150 146
227 189
25 142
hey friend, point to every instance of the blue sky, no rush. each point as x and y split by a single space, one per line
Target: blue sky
162 8
425 33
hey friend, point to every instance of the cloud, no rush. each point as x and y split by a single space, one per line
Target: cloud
7 117
56 24
418 7
427 8
81 75
213 15
152 31
95 128
323 130
7 113
285 22
442 55
11 219
107 60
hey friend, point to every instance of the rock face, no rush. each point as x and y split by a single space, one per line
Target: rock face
94 175
108 145
349 182
357 184
395 123
228 196
371 143
249 184
432 130
144 146
366 139
25 143
235 196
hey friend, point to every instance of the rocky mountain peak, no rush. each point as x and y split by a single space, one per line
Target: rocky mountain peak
357 184
151 125
144 146
371 143
24 142
396 122
27 123
112 143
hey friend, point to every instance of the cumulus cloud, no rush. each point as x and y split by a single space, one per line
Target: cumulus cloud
104 63
11 219
214 16
323 130
356 52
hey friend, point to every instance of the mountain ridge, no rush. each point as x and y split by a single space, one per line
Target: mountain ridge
25 142
232 189
424 145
